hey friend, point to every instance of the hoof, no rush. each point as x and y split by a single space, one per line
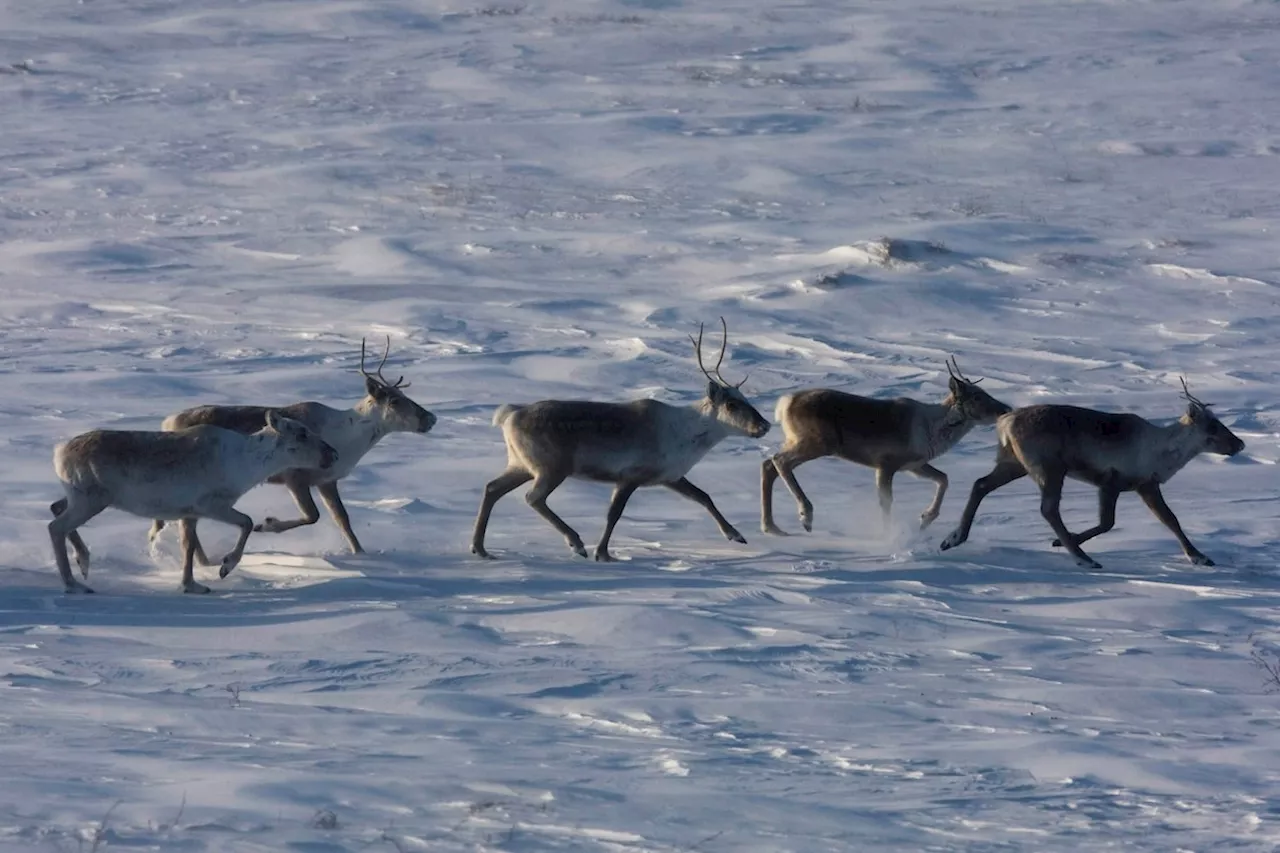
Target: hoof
228 565
196 588
807 524
1202 560
951 541
773 529
76 587
926 520
605 557
270 524
579 549
480 552
735 536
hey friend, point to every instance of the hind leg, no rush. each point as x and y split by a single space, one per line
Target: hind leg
784 464
507 481
78 509
1006 471
1050 499
1107 498
77 543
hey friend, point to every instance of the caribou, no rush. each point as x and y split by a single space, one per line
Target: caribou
887 435
353 432
199 472
633 444
1115 452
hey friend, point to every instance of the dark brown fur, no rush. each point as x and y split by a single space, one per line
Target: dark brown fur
887 435
1115 452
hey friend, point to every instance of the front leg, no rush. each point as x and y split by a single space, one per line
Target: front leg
884 491
229 515
1154 499
693 493
621 493
1107 497
333 503
187 529
939 479
306 505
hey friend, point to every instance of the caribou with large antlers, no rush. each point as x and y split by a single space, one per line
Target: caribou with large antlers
1115 452
887 435
353 432
635 444
186 474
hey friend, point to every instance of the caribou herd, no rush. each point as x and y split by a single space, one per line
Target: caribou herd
202 460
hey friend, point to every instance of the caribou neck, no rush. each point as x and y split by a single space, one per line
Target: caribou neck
705 429
944 425
1178 444
363 421
264 457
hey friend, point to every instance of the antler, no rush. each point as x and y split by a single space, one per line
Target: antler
377 374
953 367
714 374
1186 392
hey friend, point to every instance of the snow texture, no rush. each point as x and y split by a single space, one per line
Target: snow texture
214 201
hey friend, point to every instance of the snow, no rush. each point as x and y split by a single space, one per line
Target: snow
215 202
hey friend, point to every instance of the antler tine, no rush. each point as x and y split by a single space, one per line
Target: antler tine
1186 392
362 370
953 363
697 351
724 344
399 383
386 353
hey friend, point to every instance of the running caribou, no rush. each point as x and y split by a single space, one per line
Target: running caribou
186 474
887 435
1115 452
640 443
353 432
